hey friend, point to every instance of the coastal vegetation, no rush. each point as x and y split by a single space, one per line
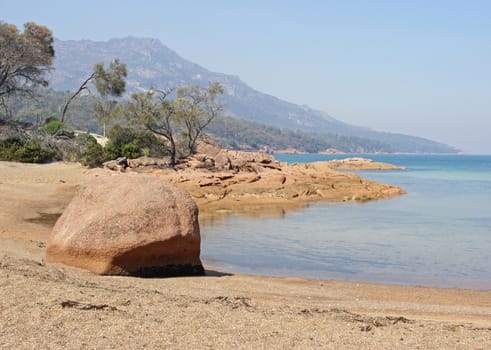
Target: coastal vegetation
180 121
108 83
160 122
226 131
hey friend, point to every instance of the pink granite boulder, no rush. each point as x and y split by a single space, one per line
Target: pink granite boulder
128 224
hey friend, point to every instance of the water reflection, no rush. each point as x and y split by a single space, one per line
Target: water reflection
217 217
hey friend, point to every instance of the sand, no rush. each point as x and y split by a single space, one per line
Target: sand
56 307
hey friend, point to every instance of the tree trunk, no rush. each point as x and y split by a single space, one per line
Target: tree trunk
172 153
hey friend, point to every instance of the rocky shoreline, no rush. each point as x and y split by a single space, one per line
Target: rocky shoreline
240 181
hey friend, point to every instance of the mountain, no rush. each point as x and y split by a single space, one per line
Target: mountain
151 64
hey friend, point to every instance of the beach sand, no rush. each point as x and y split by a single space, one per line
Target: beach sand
51 306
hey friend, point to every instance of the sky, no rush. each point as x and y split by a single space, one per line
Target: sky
415 67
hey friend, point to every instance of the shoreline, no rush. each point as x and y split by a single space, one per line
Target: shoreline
60 180
73 308
442 283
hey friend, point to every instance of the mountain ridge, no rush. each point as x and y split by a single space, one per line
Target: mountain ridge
153 64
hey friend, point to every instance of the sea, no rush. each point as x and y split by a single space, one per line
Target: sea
438 234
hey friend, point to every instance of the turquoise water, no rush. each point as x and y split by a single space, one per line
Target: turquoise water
438 234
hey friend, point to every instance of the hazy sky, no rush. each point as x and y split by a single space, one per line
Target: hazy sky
416 67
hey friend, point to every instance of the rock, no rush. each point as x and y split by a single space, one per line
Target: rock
208 148
128 224
245 161
12 130
222 161
141 162
225 160
122 162
357 163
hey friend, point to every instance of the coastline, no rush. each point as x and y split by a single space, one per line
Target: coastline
217 311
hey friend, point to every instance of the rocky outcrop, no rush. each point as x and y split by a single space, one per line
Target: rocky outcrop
128 224
11 130
214 158
237 180
358 163
266 183
141 162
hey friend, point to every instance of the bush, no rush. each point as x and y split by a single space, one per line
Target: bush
131 150
94 156
53 126
31 152
129 143
57 128
120 136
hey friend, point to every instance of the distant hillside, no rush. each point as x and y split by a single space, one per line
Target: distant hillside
151 64
236 133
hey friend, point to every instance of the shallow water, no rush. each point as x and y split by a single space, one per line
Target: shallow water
439 234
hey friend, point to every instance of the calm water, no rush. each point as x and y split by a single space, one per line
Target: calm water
439 234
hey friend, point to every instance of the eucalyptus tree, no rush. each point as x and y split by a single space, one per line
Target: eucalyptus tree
108 83
182 120
197 108
25 59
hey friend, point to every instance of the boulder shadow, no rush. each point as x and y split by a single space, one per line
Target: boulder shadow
214 273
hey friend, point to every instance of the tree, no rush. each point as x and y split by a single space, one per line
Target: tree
181 121
105 110
197 107
25 58
156 113
108 82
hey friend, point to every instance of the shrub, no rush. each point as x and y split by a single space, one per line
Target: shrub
57 128
31 152
120 136
94 156
131 150
53 126
131 143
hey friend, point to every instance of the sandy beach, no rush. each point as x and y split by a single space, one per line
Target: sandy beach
51 306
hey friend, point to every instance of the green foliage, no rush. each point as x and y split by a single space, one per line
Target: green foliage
53 126
131 150
51 119
130 143
57 128
112 152
31 152
182 121
94 156
110 81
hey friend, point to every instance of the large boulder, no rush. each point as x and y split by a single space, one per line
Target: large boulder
128 224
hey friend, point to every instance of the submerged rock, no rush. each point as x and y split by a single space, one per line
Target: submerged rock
128 224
